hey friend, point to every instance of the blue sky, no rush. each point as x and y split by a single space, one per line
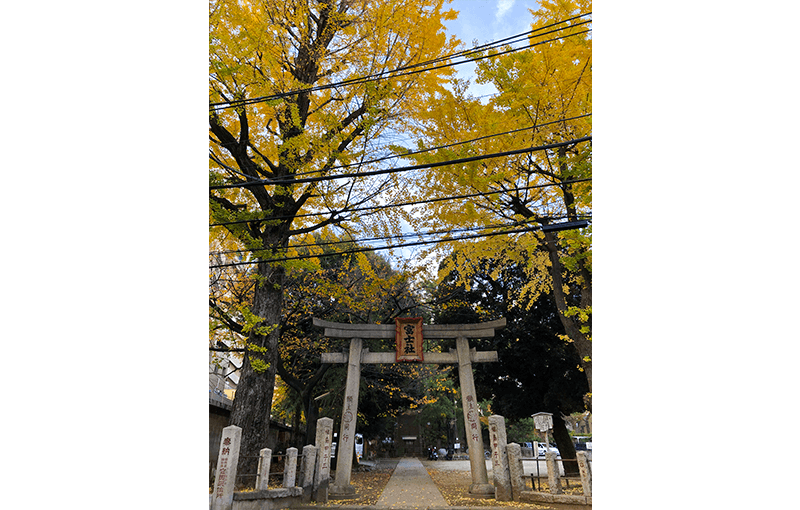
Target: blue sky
487 20
484 21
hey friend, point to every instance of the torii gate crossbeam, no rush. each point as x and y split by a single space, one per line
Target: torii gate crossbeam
462 355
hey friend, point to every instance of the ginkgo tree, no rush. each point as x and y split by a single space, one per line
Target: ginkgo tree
282 110
543 104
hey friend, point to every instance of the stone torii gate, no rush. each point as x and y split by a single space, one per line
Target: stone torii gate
462 355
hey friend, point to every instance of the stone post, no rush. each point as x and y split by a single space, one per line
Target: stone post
553 473
500 473
347 432
307 471
290 468
322 472
264 463
227 463
586 474
480 486
515 470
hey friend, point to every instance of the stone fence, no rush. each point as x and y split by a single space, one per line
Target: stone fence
507 472
311 484
314 476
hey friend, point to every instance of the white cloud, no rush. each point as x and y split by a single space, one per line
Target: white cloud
503 6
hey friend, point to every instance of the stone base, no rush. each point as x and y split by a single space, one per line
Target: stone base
342 492
564 499
481 490
273 499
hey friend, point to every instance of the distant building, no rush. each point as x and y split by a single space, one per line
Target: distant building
579 423
223 373
408 435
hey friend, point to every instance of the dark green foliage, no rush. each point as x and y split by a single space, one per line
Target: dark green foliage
537 370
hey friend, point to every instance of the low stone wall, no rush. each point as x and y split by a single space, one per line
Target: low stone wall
272 499
544 497
313 480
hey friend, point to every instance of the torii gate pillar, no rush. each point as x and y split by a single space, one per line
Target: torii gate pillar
472 425
462 355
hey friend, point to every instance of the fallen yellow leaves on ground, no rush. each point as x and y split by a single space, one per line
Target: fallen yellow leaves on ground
369 486
454 486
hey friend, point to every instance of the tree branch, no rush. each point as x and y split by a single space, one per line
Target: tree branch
225 318
238 149
333 220
269 163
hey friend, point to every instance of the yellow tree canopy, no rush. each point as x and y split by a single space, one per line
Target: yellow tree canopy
342 57
543 104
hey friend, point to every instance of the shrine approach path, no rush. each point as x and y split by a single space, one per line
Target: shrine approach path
410 487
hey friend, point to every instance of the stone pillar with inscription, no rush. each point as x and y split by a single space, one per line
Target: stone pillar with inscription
322 472
500 474
227 463
347 431
480 486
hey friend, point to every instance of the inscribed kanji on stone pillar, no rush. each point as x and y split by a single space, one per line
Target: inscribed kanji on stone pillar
408 338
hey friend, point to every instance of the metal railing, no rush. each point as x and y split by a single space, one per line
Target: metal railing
277 472
536 478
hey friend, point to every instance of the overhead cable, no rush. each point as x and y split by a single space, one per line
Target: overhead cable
285 182
379 248
400 204
411 69
561 226
422 151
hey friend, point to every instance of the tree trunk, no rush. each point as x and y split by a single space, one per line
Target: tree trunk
565 446
253 402
571 325
312 414
296 419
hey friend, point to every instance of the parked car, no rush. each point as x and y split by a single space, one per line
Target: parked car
582 442
542 449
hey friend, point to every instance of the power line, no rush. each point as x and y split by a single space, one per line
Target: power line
395 156
432 165
396 237
244 102
401 204
279 182
366 249
422 151
385 74
379 248
378 76
367 239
